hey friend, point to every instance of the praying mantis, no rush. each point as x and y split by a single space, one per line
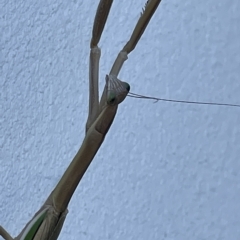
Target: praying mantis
48 221
156 125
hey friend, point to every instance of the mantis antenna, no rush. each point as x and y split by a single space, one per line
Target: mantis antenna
134 95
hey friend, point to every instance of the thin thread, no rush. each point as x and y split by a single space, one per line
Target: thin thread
134 95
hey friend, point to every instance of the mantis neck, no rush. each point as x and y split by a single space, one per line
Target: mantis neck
62 193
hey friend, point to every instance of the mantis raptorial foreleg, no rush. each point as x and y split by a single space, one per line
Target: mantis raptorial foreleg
48 221
95 53
150 8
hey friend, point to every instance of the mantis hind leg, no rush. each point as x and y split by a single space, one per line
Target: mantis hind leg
5 234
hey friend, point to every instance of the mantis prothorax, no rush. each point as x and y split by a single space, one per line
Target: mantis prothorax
48 221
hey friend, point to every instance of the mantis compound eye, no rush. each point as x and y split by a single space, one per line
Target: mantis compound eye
127 86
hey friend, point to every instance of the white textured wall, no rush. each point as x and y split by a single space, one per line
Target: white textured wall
165 171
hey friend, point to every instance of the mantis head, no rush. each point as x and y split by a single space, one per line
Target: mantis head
116 90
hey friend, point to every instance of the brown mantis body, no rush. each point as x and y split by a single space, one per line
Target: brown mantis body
55 219
48 221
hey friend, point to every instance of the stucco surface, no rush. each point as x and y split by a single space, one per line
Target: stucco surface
166 170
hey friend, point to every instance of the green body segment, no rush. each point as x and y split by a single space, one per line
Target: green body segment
35 226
